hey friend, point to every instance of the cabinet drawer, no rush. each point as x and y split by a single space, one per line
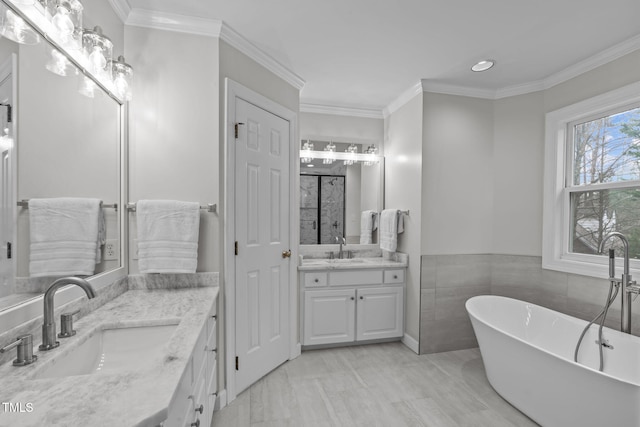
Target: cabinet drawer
312 280
360 277
394 276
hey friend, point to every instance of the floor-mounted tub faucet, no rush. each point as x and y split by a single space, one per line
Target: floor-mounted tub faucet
49 326
628 285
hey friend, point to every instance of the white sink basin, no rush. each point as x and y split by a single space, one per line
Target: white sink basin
110 350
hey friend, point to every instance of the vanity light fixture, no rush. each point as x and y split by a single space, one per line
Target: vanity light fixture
305 154
122 77
483 65
330 148
98 50
14 28
66 16
352 150
371 151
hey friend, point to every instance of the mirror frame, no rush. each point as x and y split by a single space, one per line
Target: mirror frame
31 309
319 248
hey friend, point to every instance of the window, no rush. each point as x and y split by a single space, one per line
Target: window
592 181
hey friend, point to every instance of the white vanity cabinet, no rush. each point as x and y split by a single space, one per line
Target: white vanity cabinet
351 305
193 402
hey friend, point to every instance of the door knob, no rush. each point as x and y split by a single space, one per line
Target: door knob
286 254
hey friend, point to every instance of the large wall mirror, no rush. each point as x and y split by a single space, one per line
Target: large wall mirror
336 189
64 140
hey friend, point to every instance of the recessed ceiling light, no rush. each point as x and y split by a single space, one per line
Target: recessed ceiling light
483 65
309 165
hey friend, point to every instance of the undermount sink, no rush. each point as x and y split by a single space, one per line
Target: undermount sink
110 350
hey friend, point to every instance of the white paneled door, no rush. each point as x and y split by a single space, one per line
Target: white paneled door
262 226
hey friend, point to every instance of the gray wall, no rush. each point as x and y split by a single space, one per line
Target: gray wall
483 230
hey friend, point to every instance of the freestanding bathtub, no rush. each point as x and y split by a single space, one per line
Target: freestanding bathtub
527 352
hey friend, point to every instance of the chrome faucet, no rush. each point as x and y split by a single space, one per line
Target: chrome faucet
628 286
341 241
49 326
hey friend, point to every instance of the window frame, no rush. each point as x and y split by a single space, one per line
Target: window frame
558 184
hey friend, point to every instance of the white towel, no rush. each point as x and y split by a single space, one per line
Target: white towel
167 236
389 222
367 225
64 235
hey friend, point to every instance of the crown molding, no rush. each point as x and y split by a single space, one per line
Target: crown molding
521 89
211 28
236 40
404 97
608 55
449 89
172 22
122 8
368 113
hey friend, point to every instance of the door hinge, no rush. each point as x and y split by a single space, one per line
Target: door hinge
236 129
236 247
237 364
8 250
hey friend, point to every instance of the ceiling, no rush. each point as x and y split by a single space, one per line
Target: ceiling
363 54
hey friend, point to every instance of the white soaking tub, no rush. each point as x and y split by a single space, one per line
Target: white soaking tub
528 350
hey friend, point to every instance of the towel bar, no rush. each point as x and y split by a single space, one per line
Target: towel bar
24 203
211 207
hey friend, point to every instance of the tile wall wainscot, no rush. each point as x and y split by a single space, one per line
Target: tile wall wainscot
447 281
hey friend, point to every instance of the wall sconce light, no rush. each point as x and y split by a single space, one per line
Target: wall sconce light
14 28
122 78
330 148
98 50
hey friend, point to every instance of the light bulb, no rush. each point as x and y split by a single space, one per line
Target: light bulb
62 22
97 59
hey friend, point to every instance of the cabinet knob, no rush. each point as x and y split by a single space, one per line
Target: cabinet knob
395 276
361 297
316 280
196 424
200 409
352 298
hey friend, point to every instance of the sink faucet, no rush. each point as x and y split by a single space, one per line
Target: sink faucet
342 241
49 326
628 286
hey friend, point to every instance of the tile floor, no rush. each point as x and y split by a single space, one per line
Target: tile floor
383 385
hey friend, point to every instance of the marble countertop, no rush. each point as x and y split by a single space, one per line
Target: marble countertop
399 261
136 398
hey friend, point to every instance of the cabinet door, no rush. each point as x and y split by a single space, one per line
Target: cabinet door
380 313
329 316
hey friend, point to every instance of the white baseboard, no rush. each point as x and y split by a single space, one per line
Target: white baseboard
295 351
411 342
221 400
